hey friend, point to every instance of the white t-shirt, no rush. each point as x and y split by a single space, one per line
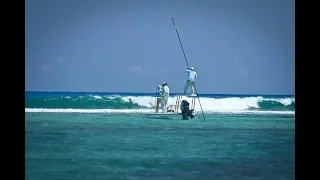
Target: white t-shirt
165 91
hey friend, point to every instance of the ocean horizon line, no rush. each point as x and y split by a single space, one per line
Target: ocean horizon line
173 93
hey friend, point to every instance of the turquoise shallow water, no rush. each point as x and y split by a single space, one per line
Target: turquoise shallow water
131 146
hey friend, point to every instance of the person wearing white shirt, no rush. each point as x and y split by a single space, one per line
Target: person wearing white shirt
165 91
192 76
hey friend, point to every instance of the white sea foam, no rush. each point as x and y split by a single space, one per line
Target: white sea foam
97 97
144 111
37 110
229 104
233 105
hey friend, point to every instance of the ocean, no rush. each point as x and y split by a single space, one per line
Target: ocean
75 135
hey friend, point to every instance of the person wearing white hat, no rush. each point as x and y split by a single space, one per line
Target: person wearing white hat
192 76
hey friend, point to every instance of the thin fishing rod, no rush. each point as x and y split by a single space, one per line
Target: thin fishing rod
185 57
187 65
149 75
151 85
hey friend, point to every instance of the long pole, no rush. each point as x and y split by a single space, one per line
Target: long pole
185 57
184 54
199 100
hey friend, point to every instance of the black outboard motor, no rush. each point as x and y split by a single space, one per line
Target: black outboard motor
186 112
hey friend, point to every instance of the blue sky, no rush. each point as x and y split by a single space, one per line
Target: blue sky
236 46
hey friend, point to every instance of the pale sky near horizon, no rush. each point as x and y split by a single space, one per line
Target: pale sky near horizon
236 46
